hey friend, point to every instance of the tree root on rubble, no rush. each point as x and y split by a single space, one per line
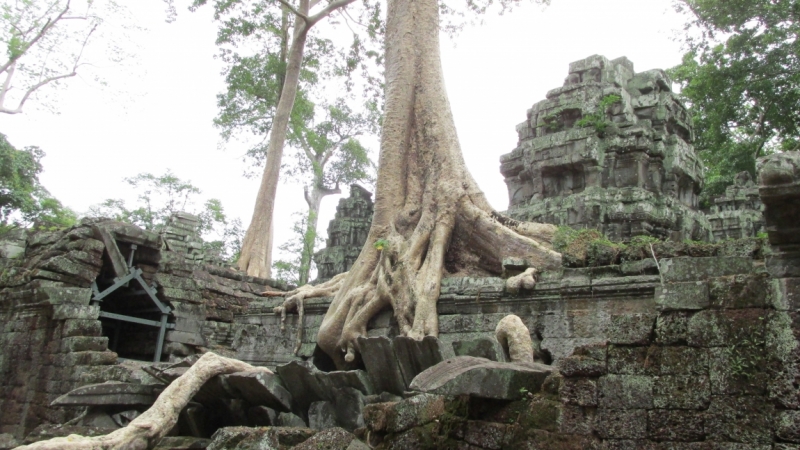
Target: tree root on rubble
146 430
515 339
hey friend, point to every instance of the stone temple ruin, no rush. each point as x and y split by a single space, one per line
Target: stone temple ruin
675 346
611 149
347 233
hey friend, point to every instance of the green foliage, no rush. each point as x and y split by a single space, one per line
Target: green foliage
329 152
23 200
585 247
381 244
254 79
746 357
160 196
741 77
289 270
598 120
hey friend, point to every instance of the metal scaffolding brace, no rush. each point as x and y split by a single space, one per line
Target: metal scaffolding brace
126 273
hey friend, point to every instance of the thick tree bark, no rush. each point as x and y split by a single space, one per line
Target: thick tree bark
256 255
146 430
430 216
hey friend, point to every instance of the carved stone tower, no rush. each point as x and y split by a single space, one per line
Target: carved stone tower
347 233
612 150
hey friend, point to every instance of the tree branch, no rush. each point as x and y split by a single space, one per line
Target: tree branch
333 6
48 80
293 10
31 90
49 24
9 74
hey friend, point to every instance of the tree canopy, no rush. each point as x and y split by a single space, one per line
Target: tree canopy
741 76
23 200
160 196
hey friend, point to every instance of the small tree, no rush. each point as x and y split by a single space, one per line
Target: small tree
288 269
160 196
23 200
330 155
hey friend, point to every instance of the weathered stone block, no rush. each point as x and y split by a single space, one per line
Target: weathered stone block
542 413
692 268
586 361
576 420
579 391
746 420
260 388
478 377
560 348
488 435
738 369
633 360
409 413
788 426
681 392
633 329
711 328
415 356
321 415
690 295
173 294
85 358
683 361
739 291
486 347
185 338
84 343
673 327
625 392
675 425
58 293
76 311
81 327
622 424
378 355
784 293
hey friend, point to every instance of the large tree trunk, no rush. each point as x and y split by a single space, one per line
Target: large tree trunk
256 255
430 216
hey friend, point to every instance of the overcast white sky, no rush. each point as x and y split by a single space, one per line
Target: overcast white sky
161 114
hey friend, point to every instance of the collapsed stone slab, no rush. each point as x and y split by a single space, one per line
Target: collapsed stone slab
110 393
260 388
482 378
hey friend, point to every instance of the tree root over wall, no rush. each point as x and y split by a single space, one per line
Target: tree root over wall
146 430
430 216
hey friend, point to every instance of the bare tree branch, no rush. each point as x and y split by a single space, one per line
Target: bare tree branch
47 26
31 90
38 85
333 6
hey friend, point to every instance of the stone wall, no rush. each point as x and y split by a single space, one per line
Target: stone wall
53 338
739 212
711 362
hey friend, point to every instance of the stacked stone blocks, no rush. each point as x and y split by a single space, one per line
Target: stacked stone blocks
627 168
